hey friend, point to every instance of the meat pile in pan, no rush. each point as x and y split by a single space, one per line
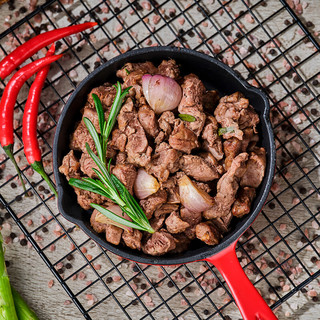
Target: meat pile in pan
227 167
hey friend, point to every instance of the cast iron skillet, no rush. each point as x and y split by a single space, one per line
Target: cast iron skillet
215 75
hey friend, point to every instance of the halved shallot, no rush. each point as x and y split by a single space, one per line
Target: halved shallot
193 198
145 184
116 210
162 93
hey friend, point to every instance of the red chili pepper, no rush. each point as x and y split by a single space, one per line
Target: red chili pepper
29 48
8 102
29 124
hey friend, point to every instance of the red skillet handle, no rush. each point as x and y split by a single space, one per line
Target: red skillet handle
250 303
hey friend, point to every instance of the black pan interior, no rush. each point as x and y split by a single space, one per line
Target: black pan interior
215 75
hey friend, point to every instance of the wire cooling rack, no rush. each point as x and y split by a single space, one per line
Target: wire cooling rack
269 46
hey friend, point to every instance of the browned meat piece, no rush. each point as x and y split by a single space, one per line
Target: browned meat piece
172 189
243 202
203 186
148 120
213 161
166 209
91 113
166 122
164 162
249 139
79 138
126 173
200 118
182 243
118 140
192 218
159 243
121 158
232 148
210 100
153 202
234 111
192 92
198 168
169 69
157 222
256 167
132 239
137 148
223 223
191 232
182 138
134 78
207 232
113 234
227 188
106 93
97 226
212 141
70 166
86 165
175 224
85 197
143 68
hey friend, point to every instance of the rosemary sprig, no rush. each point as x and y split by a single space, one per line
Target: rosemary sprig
107 184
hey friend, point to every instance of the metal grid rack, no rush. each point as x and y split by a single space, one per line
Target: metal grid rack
278 247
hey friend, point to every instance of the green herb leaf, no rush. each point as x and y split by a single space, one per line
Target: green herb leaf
187 117
128 72
94 134
224 130
85 185
100 112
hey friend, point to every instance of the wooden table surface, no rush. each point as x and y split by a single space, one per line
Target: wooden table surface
29 274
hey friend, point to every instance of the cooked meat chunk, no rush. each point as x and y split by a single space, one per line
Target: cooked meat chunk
227 188
198 168
164 162
191 232
192 218
153 202
212 141
91 113
203 186
249 140
234 112
126 173
223 223
97 226
210 100
182 138
208 233
132 239
169 69
85 197
231 147
166 122
70 166
80 137
256 167
197 125
113 234
175 224
212 161
242 204
166 209
137 147
118 140
106 93
148 120
157 222
182 243
143 68
159 243
192 92
172 189
87 164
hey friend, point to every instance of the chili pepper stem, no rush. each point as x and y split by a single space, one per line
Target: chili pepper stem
9 151
38 167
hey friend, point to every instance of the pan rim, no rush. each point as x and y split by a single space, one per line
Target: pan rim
166 259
